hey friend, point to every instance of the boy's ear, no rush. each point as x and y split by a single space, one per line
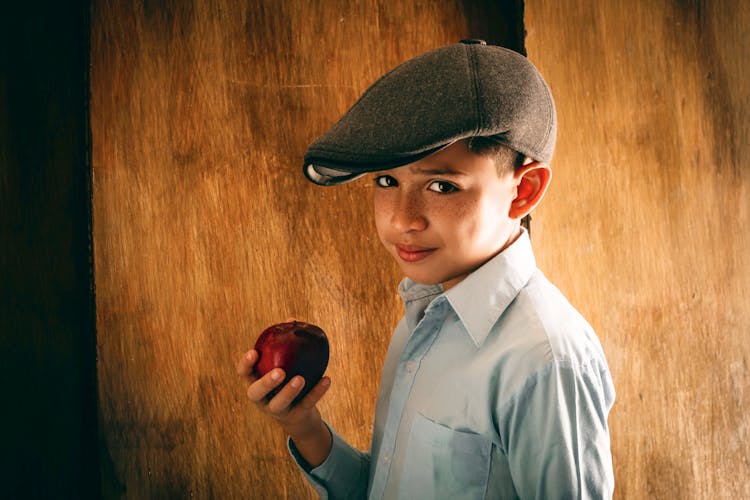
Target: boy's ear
532 182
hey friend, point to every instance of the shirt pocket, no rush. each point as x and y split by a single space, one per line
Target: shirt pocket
442 463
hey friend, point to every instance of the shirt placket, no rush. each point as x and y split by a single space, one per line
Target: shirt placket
416 347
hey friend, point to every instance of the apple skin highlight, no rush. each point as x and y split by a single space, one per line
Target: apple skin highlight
298 348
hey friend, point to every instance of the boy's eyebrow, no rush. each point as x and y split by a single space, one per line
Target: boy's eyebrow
445 170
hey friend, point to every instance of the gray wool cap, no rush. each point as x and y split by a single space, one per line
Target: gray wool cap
467 89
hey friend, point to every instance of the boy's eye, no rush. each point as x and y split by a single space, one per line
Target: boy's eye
442 187
385 181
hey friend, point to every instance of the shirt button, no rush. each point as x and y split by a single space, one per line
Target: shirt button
411 366
386 458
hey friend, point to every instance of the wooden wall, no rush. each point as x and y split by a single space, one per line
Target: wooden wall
647 226
205 231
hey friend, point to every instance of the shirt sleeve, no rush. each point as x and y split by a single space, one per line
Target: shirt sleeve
557 437
344 473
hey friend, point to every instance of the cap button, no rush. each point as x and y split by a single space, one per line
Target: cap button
473 41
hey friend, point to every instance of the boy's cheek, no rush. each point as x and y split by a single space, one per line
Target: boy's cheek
381 226
383 238
388 247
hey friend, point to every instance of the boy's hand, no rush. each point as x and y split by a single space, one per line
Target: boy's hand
301 421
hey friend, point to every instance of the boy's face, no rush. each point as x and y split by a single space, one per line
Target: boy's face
445 215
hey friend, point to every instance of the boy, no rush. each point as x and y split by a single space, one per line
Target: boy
493 385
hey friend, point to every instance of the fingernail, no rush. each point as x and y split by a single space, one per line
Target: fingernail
250 355
297 382
325 382
275 375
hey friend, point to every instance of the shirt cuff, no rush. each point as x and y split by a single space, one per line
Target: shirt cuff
343 467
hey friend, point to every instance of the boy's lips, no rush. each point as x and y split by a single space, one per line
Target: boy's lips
412 253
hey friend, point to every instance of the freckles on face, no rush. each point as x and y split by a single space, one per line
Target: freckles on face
444 216
476 223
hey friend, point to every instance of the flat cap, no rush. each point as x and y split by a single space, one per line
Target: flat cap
467 89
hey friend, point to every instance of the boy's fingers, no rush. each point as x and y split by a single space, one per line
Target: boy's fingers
246 363
282 401
258 390
317 392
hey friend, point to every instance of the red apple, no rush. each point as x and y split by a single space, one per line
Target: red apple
298 348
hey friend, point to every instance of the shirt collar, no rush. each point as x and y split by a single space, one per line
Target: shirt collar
411 290
483 296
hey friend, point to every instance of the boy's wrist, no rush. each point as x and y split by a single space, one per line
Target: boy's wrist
314 443
307 432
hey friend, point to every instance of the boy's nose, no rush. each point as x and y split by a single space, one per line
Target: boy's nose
408 214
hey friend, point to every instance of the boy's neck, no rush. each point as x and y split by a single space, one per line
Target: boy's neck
516 233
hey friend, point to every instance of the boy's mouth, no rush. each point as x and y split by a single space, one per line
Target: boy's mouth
411 253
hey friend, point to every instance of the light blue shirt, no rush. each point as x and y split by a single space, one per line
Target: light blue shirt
497 388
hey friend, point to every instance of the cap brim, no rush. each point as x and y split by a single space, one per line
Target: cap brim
324 172
325 176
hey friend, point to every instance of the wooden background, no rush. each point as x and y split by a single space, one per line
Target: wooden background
647 226
205 230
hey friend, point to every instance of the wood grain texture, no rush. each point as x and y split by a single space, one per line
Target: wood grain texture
205 230
647 226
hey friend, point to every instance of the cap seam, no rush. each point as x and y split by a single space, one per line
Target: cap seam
314 151
548 101
479 124
363 165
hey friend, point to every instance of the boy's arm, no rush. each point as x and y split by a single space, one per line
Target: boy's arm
335 469
302 422
343 475
557 437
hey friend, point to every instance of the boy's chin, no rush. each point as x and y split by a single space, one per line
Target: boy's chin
447 280
430 280
420 279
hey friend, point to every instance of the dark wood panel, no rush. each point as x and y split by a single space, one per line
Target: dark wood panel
48 430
